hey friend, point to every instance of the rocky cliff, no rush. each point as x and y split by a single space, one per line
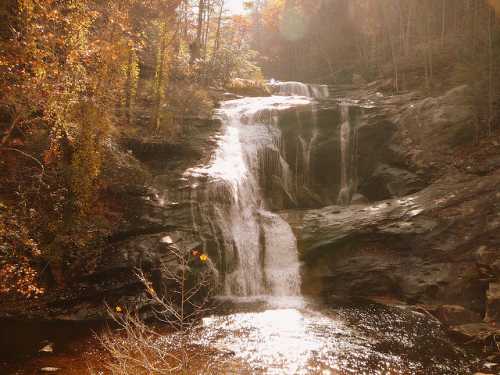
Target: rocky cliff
427 230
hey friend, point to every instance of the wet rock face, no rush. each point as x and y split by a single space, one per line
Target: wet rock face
378 164
389 181
314 159
421 248
434 126
429 231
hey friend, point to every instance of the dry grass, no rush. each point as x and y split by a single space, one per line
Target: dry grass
137 348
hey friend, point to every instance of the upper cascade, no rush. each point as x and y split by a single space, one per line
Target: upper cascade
292 88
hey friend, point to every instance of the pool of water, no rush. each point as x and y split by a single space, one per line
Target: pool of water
288 336
294 336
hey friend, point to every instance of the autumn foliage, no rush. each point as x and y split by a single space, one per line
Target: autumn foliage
74 77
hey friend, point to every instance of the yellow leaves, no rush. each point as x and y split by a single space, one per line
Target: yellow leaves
271 14
197 254
118 309
86 163
40 72
52 154
149 288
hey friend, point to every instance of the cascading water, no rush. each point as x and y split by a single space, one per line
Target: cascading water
299 89
306 145
260 251
348 155
281 265
261 152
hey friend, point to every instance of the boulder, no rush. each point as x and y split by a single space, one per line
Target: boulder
430 129
389 182
420 248
452 315
478 335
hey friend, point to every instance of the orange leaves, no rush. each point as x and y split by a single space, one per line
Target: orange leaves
20 279
271 14
51 155
201 256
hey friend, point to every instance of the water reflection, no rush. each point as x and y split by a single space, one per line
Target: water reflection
293 337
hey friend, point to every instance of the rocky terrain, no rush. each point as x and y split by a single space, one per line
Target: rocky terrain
422 227
430 234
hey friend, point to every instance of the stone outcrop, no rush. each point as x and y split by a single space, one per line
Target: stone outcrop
431 232
420 248
390 181
138 174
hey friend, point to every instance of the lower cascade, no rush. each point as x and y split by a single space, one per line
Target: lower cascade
258 250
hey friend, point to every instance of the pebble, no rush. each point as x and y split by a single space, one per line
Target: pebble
49 348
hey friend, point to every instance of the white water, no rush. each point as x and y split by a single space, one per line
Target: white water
299 89
348 155
280 261
259 246
307 145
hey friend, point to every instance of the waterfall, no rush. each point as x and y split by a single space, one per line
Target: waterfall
307 147
348 157
280 266
299 89
260 250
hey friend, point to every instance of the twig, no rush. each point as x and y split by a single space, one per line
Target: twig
26 155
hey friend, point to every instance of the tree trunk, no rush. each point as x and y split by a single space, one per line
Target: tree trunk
219 22
443 22
159 76
490 70
207 29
